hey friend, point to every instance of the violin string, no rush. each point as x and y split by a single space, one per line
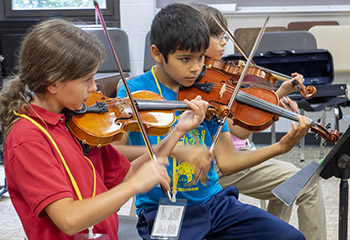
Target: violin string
238 84
259 103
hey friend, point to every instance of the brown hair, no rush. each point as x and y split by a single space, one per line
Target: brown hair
54 50
207 13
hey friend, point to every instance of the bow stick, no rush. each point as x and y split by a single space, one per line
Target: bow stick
132 101
233 97
238 85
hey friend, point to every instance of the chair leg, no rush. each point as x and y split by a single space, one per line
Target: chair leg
3 189
263 204
302 143
133 208
273 133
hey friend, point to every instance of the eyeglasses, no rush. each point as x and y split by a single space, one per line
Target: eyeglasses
221 37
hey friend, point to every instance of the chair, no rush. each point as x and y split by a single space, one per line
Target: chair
297 26
148 60
127 228
286 40
120 43
335 39
108 76
246 36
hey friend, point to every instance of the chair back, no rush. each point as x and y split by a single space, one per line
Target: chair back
120 43
297 26
336 40
148 60
287 40
246 36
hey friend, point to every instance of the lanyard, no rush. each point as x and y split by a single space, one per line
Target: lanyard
74 183
175 178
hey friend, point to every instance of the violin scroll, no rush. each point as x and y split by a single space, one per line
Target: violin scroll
319 129
307 92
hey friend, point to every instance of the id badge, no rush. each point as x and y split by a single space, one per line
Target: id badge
169 218
85 236
91 235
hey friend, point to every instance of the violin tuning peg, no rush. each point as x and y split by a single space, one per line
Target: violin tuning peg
319 120
324 144
328 126
317 136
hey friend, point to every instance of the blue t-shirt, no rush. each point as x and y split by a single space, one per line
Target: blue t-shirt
186 187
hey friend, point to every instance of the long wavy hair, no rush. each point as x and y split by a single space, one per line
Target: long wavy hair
53 50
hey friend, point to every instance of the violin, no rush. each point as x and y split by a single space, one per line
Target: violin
254 76
258 76
104 120
255 109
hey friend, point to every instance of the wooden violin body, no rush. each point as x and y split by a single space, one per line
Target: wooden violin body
99 129
254 76
217 88
257 76
254 109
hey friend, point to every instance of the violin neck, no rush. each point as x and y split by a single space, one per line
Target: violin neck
148 105
253 101
278 75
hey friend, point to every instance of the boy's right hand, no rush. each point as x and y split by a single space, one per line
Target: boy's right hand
199 157
150 174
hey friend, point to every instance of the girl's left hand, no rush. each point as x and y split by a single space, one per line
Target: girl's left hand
288 85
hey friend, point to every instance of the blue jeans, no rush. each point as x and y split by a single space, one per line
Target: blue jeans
224 217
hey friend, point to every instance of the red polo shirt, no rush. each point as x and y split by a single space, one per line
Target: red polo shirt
36 176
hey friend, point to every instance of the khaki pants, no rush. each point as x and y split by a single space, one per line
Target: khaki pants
258 182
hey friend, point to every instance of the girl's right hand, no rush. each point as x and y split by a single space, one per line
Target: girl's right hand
150 174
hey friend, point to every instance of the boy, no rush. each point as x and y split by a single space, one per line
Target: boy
259 180
179 38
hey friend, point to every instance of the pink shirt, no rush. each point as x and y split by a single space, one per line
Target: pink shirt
238 143
36 176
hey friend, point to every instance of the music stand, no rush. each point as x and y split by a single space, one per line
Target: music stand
336 163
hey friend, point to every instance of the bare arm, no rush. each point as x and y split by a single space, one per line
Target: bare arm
231 161
72 216
238 131
287 87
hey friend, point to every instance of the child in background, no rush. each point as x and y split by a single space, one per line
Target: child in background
258 181
57 191
179 39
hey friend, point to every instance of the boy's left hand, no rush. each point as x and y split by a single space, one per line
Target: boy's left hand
192 118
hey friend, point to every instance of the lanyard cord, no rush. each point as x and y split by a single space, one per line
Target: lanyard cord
175 179
74 183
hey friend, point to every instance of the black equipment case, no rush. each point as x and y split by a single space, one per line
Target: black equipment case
316 65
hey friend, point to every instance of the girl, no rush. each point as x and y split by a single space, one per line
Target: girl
56 190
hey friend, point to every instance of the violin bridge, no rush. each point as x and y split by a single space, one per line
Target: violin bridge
120 104
222 90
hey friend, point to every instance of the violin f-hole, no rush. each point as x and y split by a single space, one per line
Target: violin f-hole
123 118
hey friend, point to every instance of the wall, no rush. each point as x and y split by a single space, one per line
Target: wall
137 15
